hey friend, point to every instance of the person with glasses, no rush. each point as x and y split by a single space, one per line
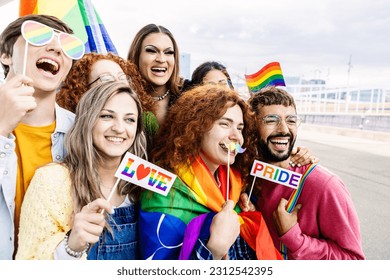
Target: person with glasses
200 218
62 211
93 69
324 223
32 125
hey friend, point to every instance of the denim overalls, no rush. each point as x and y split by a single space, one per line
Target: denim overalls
122 243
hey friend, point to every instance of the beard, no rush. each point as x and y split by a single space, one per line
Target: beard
271 156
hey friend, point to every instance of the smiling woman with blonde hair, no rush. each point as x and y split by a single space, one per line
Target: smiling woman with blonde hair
62 210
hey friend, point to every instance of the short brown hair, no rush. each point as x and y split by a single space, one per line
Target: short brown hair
270 96
12 32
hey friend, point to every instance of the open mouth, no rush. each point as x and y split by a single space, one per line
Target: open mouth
280 143
48 65
116 140
159 69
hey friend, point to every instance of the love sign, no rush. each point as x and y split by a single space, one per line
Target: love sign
145 174
276 174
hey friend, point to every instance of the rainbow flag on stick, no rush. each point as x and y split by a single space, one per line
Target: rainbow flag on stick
80 15
269 75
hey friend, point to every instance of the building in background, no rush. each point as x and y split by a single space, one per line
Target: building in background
349 107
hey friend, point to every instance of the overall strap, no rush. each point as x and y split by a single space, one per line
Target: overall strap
292 201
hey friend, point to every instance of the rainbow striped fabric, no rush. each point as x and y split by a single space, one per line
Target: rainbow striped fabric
171 225
292 202
80 15
269 75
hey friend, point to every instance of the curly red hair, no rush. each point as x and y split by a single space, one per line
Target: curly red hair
194 114
76 82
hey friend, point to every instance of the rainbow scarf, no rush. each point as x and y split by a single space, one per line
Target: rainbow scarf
170 226
292 202
270 75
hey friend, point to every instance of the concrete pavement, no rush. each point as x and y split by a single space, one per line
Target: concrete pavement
359 140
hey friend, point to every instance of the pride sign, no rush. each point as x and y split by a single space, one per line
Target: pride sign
276 174
145 174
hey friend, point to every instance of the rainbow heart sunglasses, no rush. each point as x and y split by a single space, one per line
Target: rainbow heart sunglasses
39 34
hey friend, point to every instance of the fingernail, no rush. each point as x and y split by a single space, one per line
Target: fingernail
112 211
299 165
291 163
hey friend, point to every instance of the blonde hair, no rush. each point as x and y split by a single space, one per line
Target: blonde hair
82 158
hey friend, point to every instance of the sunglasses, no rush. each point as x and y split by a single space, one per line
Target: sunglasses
38 34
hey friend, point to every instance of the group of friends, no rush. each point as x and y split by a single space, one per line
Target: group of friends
66 124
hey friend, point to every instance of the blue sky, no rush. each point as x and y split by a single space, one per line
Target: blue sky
310 39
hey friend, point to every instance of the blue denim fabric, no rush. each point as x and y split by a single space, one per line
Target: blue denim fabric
8 170
122 243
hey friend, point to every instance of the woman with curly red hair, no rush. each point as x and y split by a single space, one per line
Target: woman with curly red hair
93 69
200 217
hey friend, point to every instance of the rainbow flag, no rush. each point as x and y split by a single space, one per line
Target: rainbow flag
80 15
269 75
172 224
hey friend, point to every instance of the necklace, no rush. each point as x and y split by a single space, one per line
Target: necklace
161 97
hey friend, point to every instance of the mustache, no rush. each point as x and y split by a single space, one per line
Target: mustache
280 135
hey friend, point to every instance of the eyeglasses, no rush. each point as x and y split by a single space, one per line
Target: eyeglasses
275 120
110 78
220 83
38 34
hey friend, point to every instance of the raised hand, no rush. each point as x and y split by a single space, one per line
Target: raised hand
224 231
16 100
284 220
302 156
88 224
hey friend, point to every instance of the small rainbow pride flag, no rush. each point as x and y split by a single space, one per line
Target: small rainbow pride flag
269 75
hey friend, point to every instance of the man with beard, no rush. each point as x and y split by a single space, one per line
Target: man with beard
324 224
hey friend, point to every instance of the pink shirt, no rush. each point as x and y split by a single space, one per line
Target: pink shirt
328 225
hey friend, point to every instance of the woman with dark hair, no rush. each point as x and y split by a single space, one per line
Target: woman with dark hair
62 212
156 54
200 218
209 72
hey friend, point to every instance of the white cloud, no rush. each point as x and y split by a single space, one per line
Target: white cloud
309 38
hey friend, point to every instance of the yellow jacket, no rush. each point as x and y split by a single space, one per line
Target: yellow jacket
46 211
